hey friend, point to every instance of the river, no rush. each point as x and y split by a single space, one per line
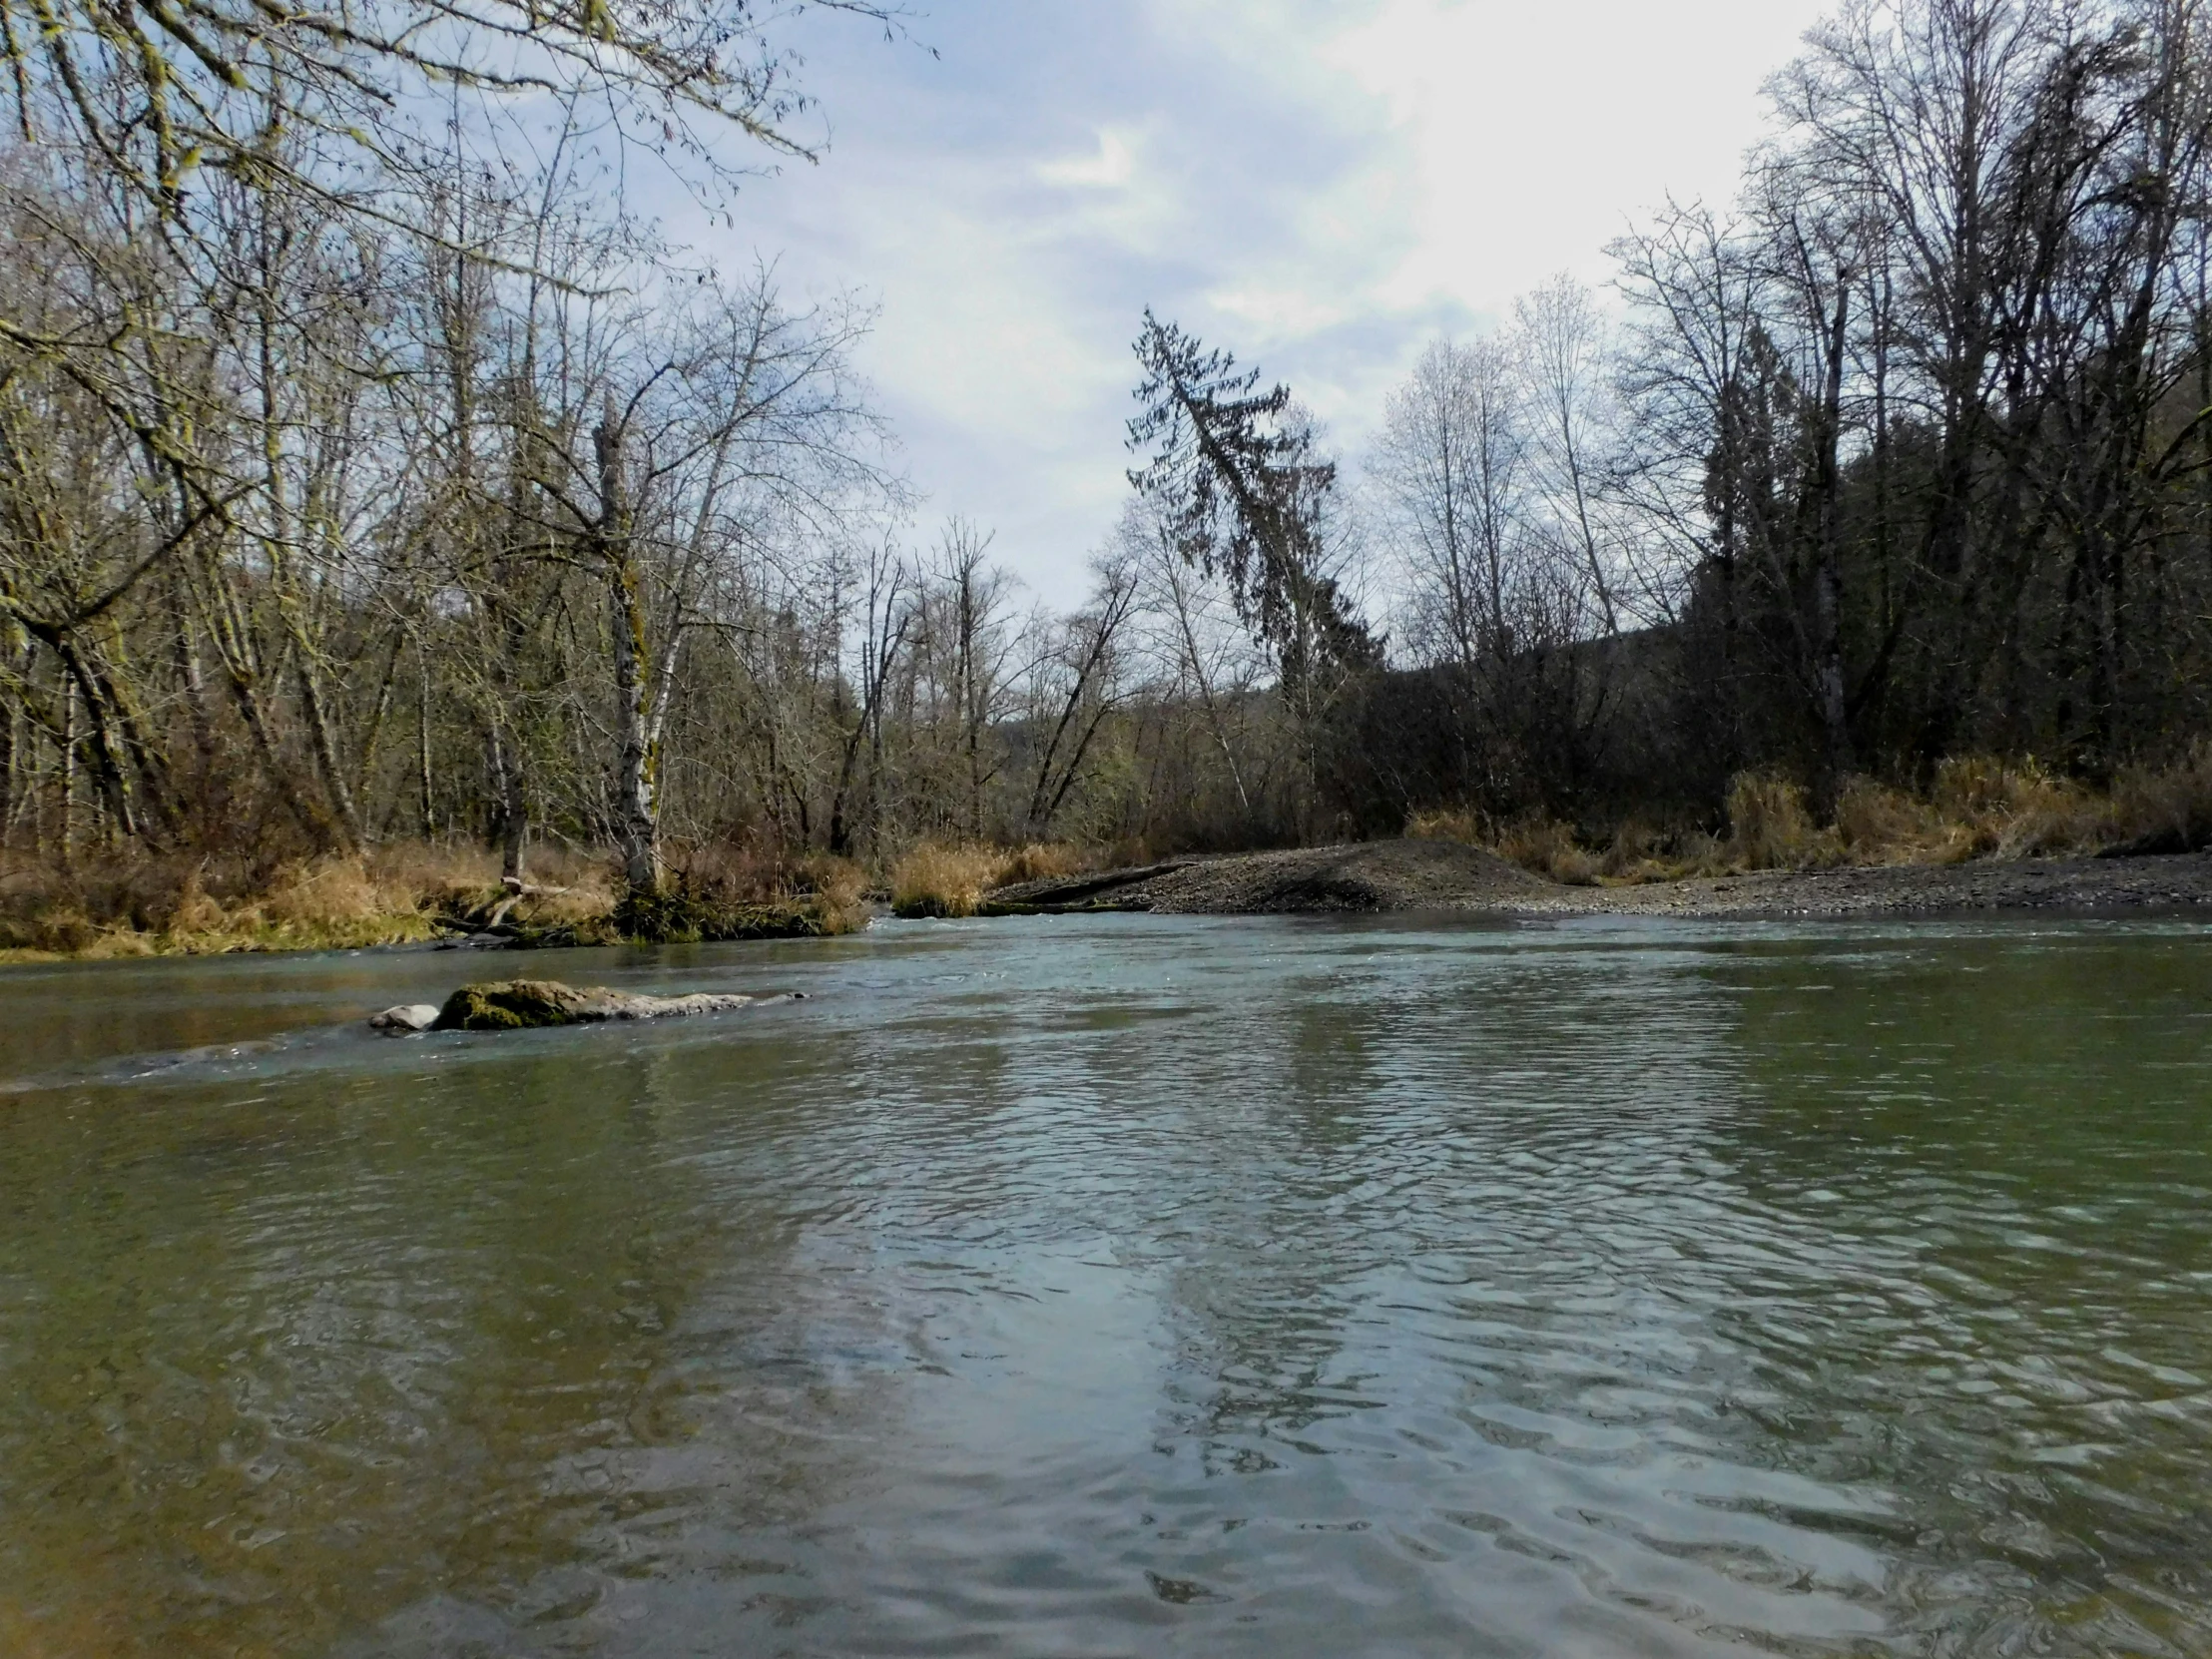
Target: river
1100 1286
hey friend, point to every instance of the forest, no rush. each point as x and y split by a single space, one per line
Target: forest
368 480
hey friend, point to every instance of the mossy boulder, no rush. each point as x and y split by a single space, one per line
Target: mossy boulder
513 1006
530 1004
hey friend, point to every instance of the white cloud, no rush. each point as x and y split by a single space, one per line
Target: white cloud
1278 313
1112 167
1318 185
1532 134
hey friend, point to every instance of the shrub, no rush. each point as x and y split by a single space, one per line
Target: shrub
836 888
1446 825
1039 861
2164 811
720 893
1548 848
1769 826
1126 852
938 881
1544 846
1641 851
223 902
1879 824
329 890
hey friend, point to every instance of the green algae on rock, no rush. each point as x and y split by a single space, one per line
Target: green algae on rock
529 1004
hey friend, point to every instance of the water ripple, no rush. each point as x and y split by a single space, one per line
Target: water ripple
1131 1285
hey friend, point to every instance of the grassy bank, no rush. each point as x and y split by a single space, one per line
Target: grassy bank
407 894
1975 809
942 879
196 906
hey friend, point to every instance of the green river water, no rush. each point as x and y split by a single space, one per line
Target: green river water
1124 1286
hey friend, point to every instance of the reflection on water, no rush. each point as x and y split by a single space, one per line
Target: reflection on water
1126 1286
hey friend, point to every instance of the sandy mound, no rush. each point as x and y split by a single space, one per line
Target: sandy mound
1424 874
1374 875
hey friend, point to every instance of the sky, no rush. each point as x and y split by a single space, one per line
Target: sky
1320 186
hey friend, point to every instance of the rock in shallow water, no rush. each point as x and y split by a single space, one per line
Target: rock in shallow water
410 1016
524 1005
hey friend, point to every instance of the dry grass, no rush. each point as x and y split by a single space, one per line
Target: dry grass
1041 860
823 891
390 895
948 878
2165 810
1550 848
1446 825
940 881
838 887
398 894
161 906
1978 807
1770 825
1543 845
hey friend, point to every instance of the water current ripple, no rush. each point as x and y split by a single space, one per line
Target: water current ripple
1128 1286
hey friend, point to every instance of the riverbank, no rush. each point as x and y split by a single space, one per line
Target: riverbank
1411 875
409 897
408 893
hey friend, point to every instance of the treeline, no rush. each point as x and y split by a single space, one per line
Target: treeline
1934 409
361 481
1905 455
365 476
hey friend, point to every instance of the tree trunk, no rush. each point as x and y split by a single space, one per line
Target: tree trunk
1828 577
8 750
422 757
364 769
67 839
315 707
637 826
637 781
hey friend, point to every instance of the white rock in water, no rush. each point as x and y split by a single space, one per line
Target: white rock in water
409 1016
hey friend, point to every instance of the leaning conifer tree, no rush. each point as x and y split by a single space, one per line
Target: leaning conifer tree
1242 496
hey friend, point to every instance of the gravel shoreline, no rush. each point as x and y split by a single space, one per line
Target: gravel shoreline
1425 875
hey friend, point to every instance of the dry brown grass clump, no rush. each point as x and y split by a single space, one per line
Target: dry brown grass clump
825 889
1980 807
719 892
945 879
1636 852
1976 807
1538 843
1770 825
1642 851
1448 825
1880 825
1042 861
2165 810
839 889
2016 810
1550 848
399 895
211 904
935 879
